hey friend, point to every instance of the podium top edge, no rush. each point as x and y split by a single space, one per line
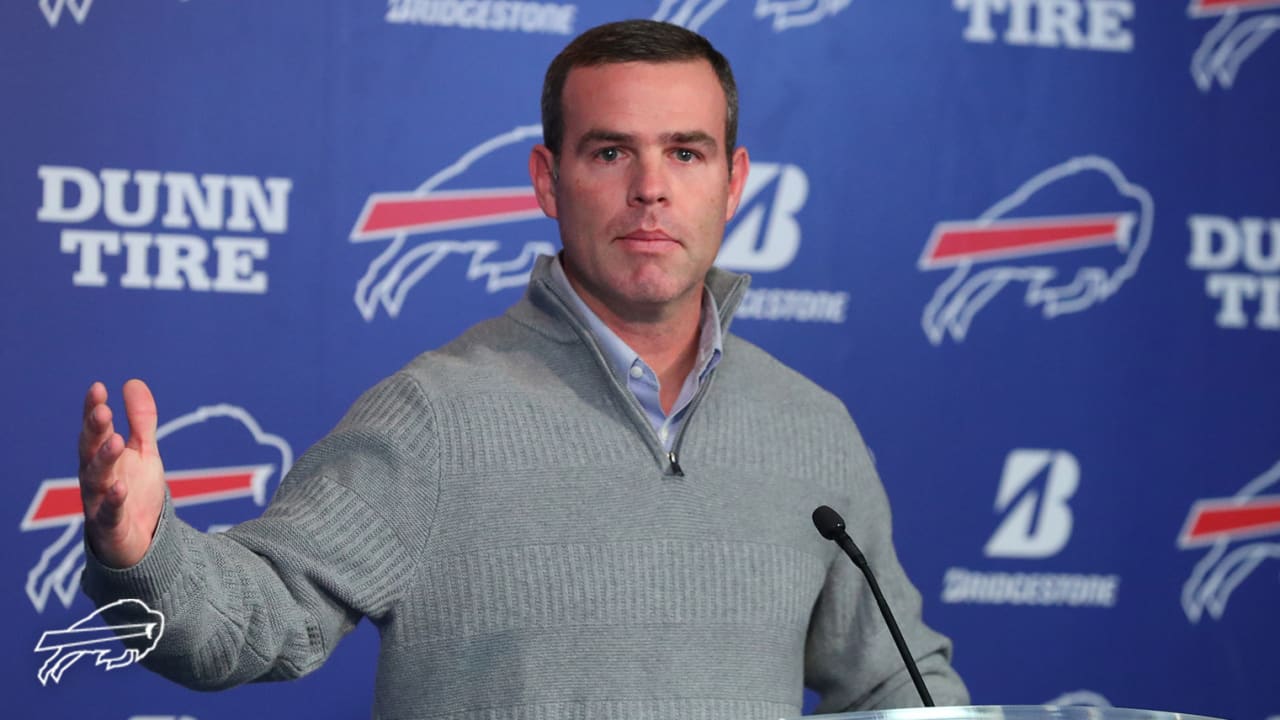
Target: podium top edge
1011 712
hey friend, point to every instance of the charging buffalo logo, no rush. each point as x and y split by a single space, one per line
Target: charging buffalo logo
132 621
438 206
1067 262
1240 532
1232 40
200 439
782 14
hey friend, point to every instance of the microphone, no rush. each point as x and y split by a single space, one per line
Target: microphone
831 526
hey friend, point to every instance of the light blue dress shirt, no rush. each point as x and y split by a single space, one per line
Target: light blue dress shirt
636 375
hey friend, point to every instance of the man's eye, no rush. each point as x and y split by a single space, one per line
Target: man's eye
684 155
608 154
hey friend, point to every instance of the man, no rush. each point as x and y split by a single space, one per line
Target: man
596 505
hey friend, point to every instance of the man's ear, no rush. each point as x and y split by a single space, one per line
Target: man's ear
542 171
738 169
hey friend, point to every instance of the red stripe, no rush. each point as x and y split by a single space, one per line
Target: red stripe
59 502
1258 515
64 502
209 485
1224 5
1028 236
417 212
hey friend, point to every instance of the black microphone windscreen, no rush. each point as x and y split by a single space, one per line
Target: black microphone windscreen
828 522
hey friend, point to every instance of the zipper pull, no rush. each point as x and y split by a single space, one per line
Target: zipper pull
675 464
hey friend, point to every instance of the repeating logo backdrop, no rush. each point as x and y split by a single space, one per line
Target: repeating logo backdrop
1033 244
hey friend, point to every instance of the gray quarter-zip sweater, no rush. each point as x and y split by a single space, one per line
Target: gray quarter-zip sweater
504 513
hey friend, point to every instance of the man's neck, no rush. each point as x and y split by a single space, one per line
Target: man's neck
667 340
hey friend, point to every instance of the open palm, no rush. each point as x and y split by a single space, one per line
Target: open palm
121 483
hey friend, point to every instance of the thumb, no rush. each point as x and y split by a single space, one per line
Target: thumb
140 409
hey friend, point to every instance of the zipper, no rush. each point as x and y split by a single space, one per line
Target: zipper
732 298
730 304
674 467
673 457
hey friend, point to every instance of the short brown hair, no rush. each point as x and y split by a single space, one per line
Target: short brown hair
633 41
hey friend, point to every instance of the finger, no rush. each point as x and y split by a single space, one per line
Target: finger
97 423
110 511
96 480
96 395
140 409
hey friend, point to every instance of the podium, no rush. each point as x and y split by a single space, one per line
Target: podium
1011 712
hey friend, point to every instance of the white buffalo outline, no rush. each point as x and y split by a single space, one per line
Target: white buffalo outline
66 654
390 276
787 14
961 296
1218 574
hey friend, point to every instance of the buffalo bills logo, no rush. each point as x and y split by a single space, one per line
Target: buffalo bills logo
1063 262
420 224
781 14
1241 532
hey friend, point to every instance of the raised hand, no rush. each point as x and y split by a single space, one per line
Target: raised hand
121 483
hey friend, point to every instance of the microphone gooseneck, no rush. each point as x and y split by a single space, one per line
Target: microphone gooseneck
831 526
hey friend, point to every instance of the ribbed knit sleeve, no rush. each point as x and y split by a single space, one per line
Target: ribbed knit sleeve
270 598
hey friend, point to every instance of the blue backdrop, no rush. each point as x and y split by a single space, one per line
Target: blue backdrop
1033 244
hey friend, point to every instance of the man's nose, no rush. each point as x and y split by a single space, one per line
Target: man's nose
650 182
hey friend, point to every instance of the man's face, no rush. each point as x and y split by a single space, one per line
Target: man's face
644 188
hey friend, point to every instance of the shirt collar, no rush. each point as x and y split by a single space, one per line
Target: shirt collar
620 356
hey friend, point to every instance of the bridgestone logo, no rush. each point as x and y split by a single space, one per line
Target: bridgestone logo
528 17
962 586
797 305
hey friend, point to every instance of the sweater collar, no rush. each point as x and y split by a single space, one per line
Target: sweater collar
545 309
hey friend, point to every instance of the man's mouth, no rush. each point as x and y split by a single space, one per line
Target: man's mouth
647 236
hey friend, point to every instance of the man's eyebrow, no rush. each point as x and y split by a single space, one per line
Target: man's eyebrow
593 137
691 137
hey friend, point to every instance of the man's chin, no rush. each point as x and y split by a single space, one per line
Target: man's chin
657 300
